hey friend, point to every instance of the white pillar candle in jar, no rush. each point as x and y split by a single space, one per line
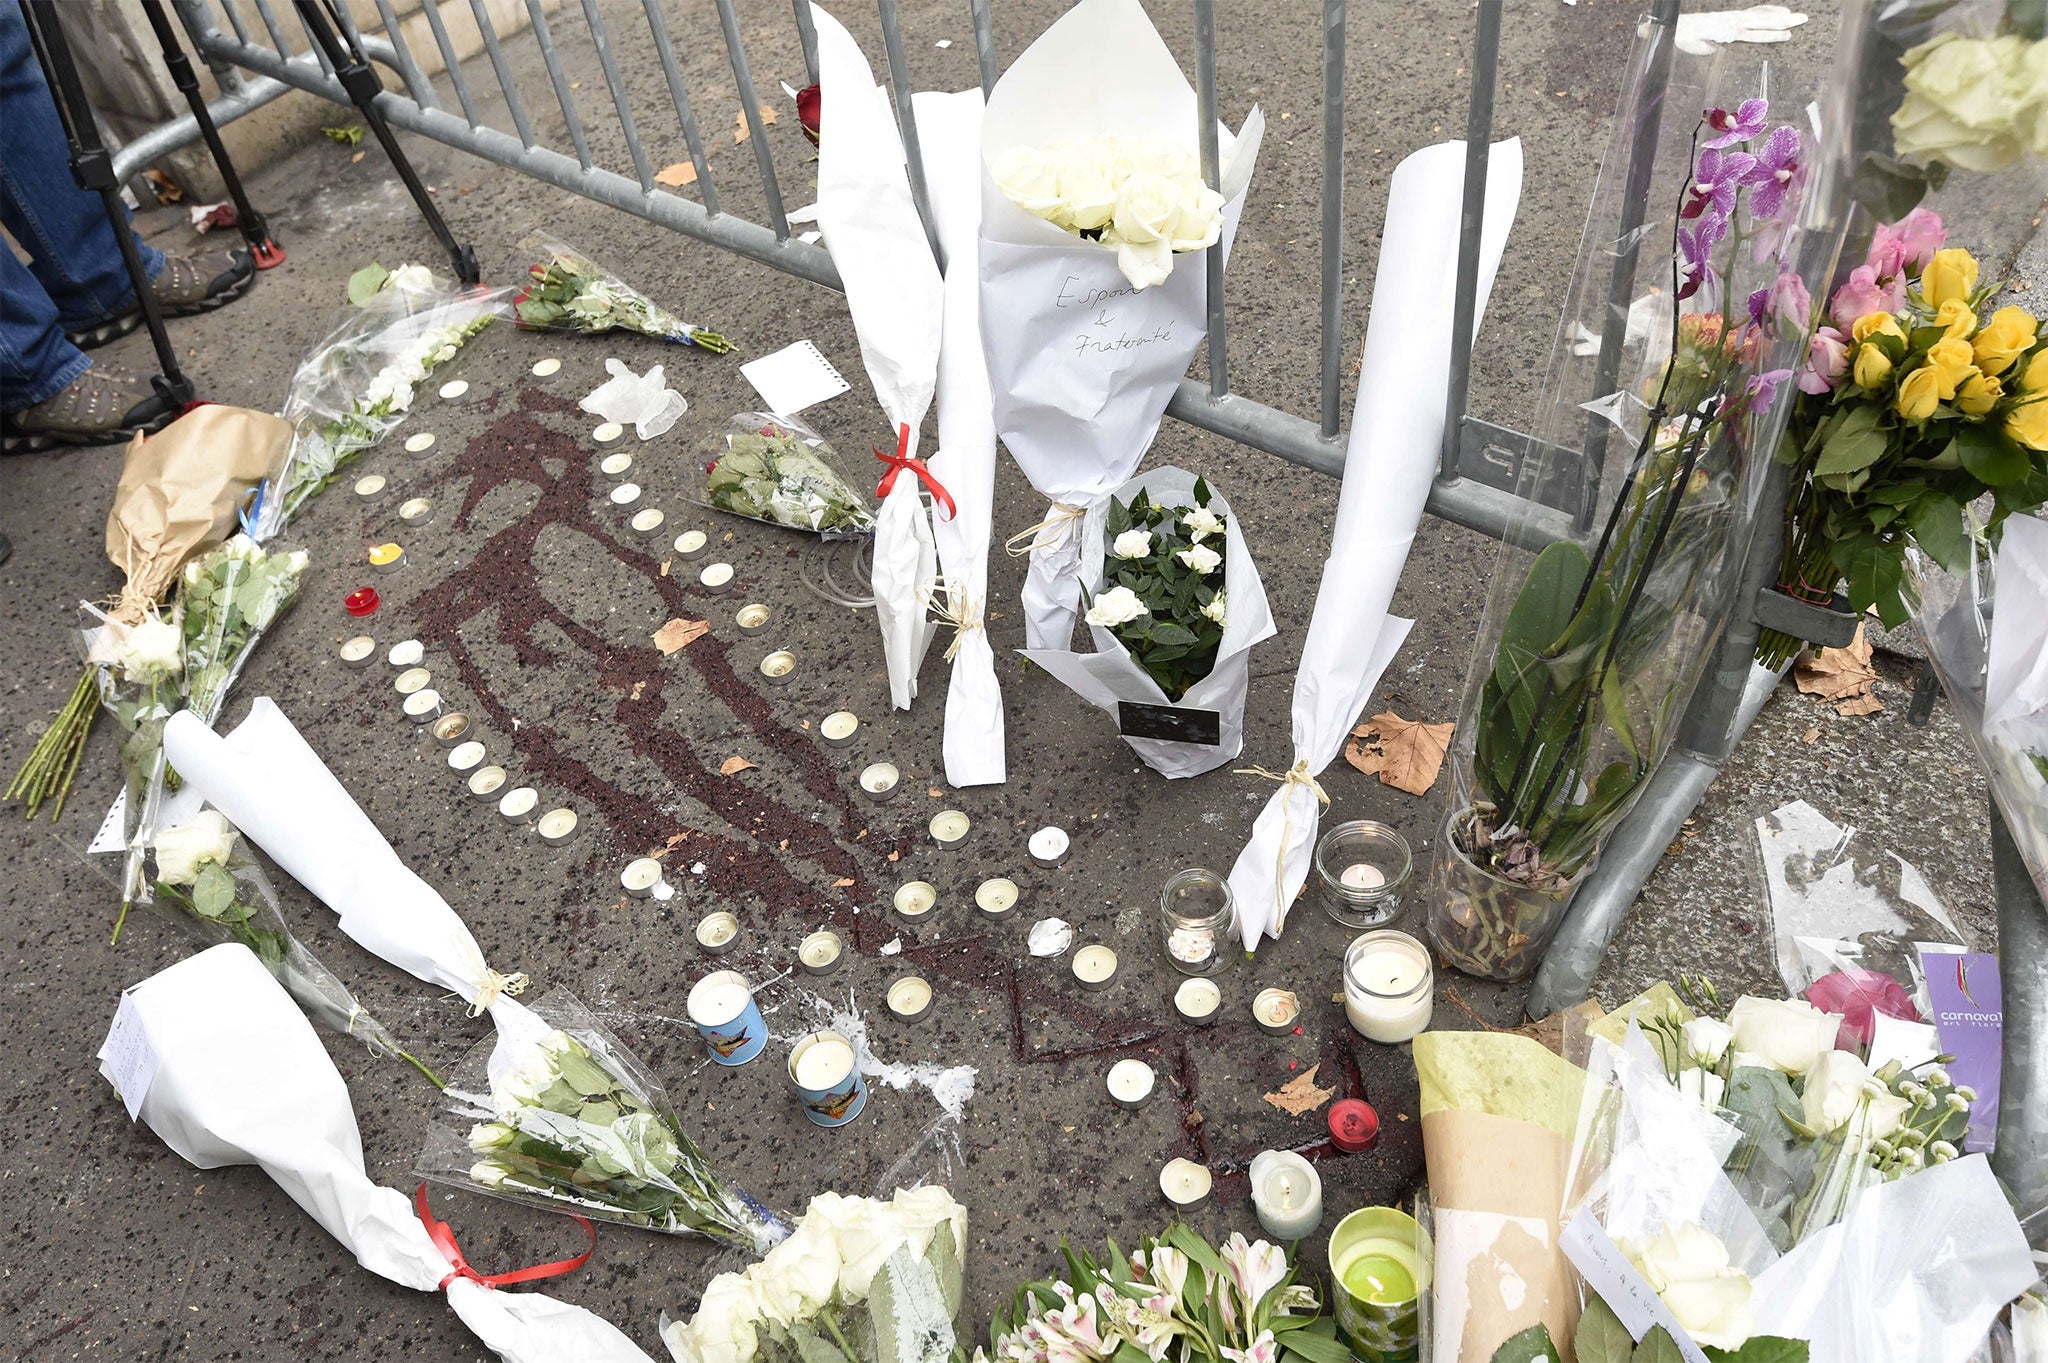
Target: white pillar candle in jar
1389 986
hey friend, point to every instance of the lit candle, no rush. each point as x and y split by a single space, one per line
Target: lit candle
716 578
821 953
641 876
827 1080
557 826
879 780
423 705
371 486
516 806
1276 1010
1362 875
1389 986
612 465
419 443
360 602
625 494
1185 1183
465 757
949 828
1287 1193
406 653
386 558
839 727
1131 1083
647 522
716 933
1049 846
416 511
450 729
455 390
610 433
485 781
910 998
1380 1261
916 898
722 1009
752 618
1095 966
1198 1000
546 368
777 667
358 651
691 543
996 896
411 680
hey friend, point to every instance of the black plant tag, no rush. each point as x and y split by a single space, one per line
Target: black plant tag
1169 723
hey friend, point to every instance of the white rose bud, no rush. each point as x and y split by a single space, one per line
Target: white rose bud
487 1174
1214 610
1147 210
182 851
1707 1039
1201 523
1201 558
1789 1034
1117 606
1030 177
1132 544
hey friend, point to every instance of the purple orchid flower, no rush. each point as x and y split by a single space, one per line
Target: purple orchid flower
1728 129
1714 180
1759 305
1762 389
1778 167
1695 250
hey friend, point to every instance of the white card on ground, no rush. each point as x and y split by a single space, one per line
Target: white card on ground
793 378
111 836
127 1058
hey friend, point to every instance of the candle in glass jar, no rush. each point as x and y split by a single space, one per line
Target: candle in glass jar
996 896
1095 966
1130 1083
879 780
1362 875
820 953
949 828
716 933
1287 1194
1276 1011
839 727
916 898
910 998
1185 1183
1198 1000
1389 986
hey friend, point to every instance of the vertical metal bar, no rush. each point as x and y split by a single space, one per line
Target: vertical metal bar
680 93
235 22
449 61
415 79
276 34
559 81
751 103
517 107
1205 114
610 67
906 120
984 43
1333 214
312 43
807 34
1471 221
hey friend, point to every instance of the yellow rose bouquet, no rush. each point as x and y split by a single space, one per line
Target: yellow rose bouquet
1917 398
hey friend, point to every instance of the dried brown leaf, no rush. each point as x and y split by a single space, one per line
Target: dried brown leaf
934 792
741 132
679 632
842 882
1300 1095
1811 736
1843 677
1406 754
677 174
732 765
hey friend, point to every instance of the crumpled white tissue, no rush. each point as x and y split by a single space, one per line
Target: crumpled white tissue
643 401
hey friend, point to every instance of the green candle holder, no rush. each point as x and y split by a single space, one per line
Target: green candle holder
1380 1259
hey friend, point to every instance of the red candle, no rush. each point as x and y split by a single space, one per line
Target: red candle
1354 1126
361 601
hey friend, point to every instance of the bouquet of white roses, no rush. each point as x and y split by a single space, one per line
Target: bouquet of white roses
568 291
859 1280
230 596
1142 197
138 670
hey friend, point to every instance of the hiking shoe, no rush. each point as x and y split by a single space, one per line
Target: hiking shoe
186 285
102 406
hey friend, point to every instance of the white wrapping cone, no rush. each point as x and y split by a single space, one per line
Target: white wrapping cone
234 1075
1083 365
1397 427
2016 663
949 130
893 291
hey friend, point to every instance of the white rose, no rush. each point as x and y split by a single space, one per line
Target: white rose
411 279
1087 177
1117 606
1201 558
1201 523
182 851
920 1211
1884 1112
1790 1034
1707 1039
1688 1266
1214 610
1132 544
1030 177
1199 222
797 1277
150 651
485 1137
724 1329
1147 209
1704 1087
866 1234
486 1174
1833 1091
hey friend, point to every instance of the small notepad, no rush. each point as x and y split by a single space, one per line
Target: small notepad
793 378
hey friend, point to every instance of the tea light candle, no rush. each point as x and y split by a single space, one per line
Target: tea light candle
557 826
910 998
879 780
625 494
464 757
406 653
516 805
1185 1183
1362 875
1049 845
455 390
1131 1083
752 618
647 522
717 578
419 443
949 828
839 727
371 486
546 368
1389 986
423 705
997 896
716 933
612 465
484 782
640 877
610 433
1287 1193
1354 1126
358 652
821 953
1276 1011
360 602
916 898
386 558
411 680
416 511
1198 1000
1095 966
691 543
777 667
449 729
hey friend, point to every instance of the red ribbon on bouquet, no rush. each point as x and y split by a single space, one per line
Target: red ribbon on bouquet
443 1236
902 460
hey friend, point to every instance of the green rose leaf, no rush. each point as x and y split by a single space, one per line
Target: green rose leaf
1856 443
1991 457
1762 1349
1937 525
364 283
1532 1345
582 1074
1602 1338
213 893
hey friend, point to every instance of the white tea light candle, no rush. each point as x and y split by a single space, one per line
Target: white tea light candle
752 617
949 828
1198 1000
1048 846
1185 1183
878 781
909 998
647 522
406 653
484 782
557 826
546 368
451 729
455 390
358 652
465 757
717 578
610 433
1095 966
419 443
1287 1194
716 933
916 898
996 896
839 727
416 511
423 705
1362 875
371 486
612 465
777 667
625 494
640 877
1389 986
821 953
1130 1083
1276 1011
411 680
516 805
691 543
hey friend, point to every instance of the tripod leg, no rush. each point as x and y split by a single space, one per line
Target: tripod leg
255 230
359 79
93 170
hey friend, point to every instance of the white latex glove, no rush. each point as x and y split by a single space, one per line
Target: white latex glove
1700 34
644 401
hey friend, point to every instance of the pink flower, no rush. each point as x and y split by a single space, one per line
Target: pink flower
1827 361
1791 302
1862 294
1254 1269
1264 1349
1859 996
1920 234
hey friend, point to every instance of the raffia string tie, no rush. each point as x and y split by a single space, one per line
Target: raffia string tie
494 986
1296 775
1049 533
949 601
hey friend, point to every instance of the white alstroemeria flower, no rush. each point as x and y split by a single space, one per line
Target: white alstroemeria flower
1264 1349
1702 1086
1168 1269
1707 1039
1688 1266
1030 178
1790 1034
1201 523
1132 544
1117 606
1215 610
1255 1268
182 851
1201 558
413 279
151 650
